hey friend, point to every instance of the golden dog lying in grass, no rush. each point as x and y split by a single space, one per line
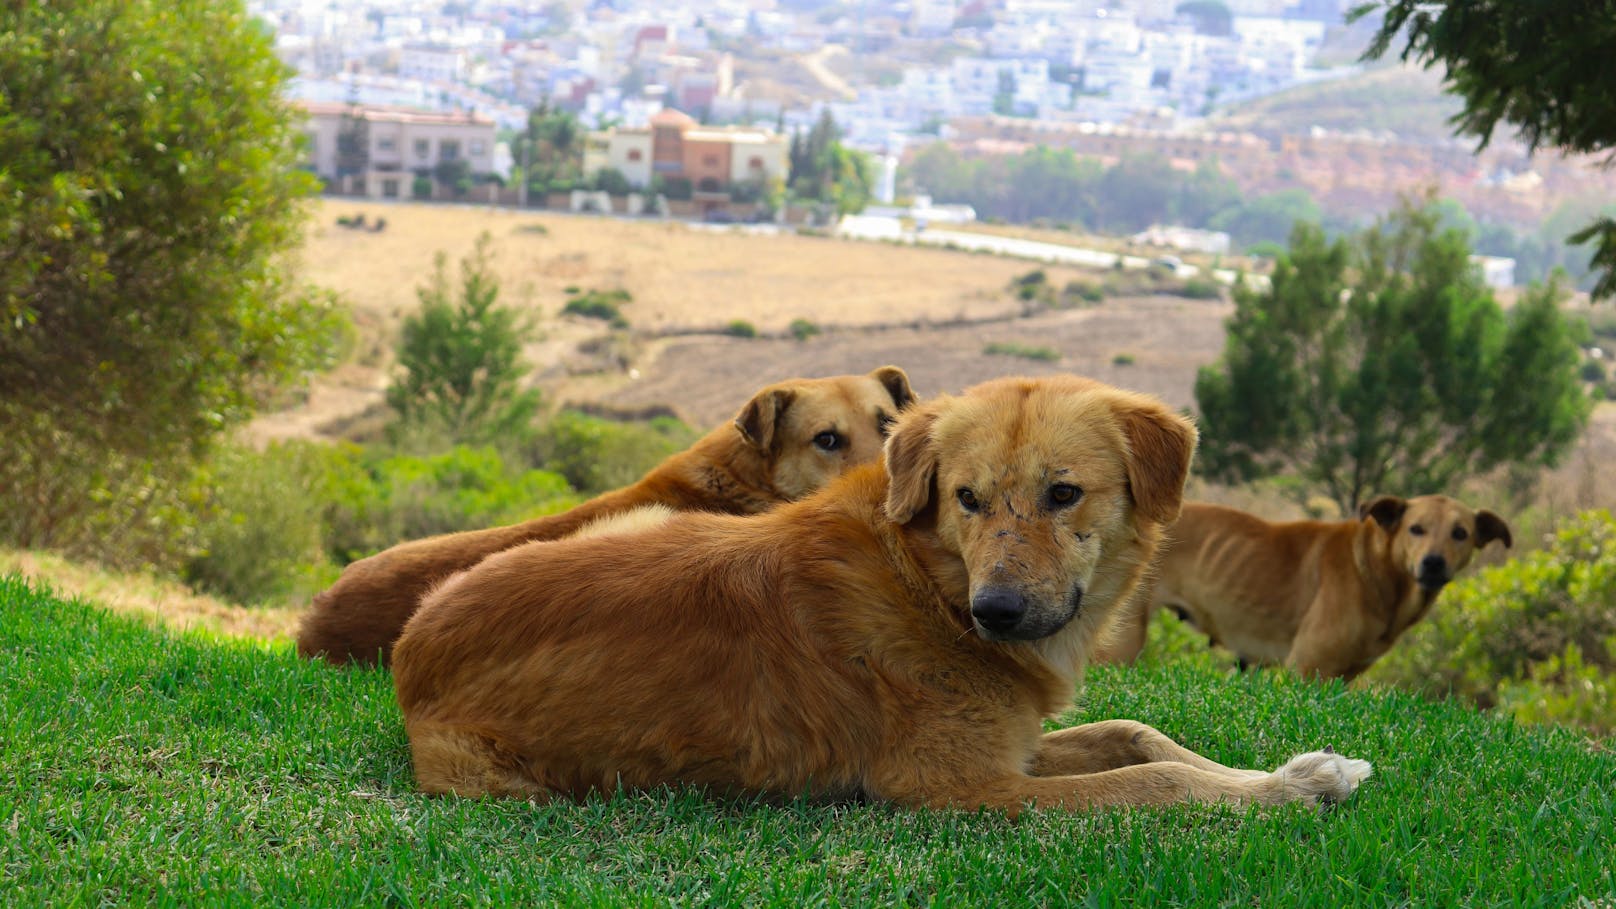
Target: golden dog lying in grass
900 635
1325 598
786 442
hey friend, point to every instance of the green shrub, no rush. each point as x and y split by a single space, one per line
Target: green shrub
802 329
1082 291
379 499
1200 289
740 328
596 454
1534 637
600 304
1025 351
1122 359
421 187
261 536
1593 371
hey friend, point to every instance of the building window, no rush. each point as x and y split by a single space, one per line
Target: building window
634 154
756 163
710 160
448 150
386 144
423 148
476 148
709 185
390 189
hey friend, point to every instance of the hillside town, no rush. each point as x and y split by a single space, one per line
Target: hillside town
692 110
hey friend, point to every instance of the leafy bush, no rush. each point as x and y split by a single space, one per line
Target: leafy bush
740 328
1200 289
379 499
421 187
1122 359
1083 291
802 329
1025 351
596 454
1534 637
260 537
600 304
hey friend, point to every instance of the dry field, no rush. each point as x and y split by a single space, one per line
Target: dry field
931 311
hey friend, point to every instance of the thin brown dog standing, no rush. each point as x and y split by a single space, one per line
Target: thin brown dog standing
786 442
1325 598
899 635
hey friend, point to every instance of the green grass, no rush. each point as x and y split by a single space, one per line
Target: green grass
150 768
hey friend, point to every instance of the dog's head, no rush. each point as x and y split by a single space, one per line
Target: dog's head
808 431
1052 492
1433 537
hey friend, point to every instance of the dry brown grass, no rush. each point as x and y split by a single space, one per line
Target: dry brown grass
159 601
682 276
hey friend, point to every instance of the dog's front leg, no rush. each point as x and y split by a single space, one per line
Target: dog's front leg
1107 745
1310 778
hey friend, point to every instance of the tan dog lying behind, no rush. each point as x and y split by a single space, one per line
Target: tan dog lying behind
786 442
900 635
1325 598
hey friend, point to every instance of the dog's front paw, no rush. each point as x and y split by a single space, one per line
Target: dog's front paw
1318 776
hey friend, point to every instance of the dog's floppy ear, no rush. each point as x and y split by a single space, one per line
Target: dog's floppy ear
1386 510
757 419
896 382
1160 446
1491 527
911 463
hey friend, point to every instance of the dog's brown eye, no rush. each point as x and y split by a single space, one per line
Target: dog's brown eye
1460 534
1417 531
827 441
1064 494
967 500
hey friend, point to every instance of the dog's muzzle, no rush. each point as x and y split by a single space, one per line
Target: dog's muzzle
998 609
1433 573
1004 614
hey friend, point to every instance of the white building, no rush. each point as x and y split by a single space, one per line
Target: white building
388 147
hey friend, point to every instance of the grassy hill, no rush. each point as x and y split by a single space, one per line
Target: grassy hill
151 767
1403 100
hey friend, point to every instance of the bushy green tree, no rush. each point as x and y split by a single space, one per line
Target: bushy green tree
825 170
147 190
461 363
1542 68
1382 363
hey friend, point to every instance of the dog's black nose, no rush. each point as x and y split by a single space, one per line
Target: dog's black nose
1433 565
998 608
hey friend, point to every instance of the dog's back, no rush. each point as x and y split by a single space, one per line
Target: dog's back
1247 582
785 442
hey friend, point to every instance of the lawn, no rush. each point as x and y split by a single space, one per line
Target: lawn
148 766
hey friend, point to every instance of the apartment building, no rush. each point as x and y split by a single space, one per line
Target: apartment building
386 147
674 146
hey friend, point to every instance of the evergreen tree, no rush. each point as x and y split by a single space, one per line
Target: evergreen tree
462 363
1382 364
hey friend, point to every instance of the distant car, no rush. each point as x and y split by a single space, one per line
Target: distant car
718 216
1173 263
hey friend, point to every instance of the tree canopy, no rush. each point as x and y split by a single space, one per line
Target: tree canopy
1544 69
148 190
1381 363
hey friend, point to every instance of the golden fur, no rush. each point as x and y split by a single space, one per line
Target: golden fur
889 637
774 451
1325 598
